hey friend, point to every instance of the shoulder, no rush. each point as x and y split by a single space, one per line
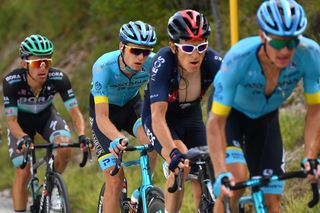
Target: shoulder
14 77
213 56
56 74
164 56
308 46
242 52
106 61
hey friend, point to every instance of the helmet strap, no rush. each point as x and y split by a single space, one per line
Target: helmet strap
126 67
265 50
28 72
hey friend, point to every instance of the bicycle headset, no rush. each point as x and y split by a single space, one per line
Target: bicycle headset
282 18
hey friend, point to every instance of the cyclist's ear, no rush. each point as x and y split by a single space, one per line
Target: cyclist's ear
121 46
23 64
172 47
263 39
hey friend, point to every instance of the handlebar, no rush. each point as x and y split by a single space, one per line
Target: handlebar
177 184
86 154
261 181
142 148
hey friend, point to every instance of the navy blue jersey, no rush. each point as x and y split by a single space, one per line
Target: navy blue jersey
164 79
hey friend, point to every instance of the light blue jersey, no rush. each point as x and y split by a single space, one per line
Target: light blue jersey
240 82
111 85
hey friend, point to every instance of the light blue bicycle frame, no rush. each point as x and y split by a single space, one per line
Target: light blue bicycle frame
146 181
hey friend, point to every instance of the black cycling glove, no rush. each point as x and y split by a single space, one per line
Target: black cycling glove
176 157
24 141
85 141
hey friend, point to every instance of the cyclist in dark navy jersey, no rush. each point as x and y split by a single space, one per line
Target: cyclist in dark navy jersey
258 74
28 94
115 102
180 76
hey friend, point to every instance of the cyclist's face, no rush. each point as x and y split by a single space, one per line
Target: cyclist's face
279 49
190 54
135 55
38 67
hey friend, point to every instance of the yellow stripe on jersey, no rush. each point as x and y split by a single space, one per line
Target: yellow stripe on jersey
220 109
234 148
101 99
312 98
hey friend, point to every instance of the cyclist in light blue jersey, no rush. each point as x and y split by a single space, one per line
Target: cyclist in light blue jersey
115 102
257 75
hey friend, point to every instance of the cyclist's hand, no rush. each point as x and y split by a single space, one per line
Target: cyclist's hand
26 140
118 144
312 166
177 161
219 189
85 142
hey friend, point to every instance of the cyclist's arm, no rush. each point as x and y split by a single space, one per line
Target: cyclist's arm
10 91
217 141
312 131
104 123
77 120
160 127
14 127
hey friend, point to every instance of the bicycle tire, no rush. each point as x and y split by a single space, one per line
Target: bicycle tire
122 199
56 180
100 200
155 200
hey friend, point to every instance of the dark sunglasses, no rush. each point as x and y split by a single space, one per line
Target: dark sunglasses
37 63
280 44
138 50
189 48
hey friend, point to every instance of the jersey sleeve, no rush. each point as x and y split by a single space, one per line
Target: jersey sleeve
66 92
213 61
311 79
10 98
161 69
100 80
225 85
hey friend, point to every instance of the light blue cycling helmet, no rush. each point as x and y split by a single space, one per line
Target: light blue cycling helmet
282 18
139 33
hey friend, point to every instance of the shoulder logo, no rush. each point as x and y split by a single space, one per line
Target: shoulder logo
156 65
55 75
13 79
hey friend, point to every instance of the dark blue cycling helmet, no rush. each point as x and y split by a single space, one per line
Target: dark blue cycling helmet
282 18
139 33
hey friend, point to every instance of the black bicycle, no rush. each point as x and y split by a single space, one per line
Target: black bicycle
52 194
151 198
200 160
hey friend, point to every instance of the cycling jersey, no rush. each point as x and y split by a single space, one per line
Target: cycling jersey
164 79
111 85
184 119
18 95
240 83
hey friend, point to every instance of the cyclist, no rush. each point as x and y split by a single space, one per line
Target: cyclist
28 94
258 74
180 76
115 102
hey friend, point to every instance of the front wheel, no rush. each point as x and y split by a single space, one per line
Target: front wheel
155 200
57 199
124 202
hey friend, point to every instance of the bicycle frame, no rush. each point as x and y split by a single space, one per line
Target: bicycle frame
143 161
146 181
